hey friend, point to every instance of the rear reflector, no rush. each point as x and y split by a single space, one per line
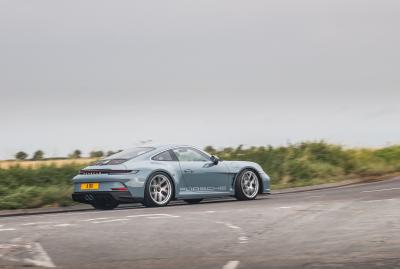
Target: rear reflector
119 189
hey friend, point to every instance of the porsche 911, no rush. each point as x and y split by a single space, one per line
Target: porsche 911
156 175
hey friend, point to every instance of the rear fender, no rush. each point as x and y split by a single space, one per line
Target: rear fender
175 182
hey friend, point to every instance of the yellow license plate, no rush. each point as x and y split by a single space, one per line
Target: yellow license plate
90 186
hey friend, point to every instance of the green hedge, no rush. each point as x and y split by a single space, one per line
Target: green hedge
316 162
294 165
30 188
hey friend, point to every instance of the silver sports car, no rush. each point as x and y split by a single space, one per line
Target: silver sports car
156 175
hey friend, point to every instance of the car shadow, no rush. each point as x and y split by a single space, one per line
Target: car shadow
183 203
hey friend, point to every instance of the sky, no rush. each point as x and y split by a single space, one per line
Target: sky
106 75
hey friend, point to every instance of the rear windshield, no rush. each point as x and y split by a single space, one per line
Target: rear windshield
129 153
123 156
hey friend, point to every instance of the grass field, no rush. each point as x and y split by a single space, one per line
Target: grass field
36 164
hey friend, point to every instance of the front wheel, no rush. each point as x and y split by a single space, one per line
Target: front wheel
193 201
246 185
158 190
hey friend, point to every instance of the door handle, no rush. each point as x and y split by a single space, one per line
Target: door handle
188 171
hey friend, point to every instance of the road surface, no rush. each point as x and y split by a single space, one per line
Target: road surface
356 226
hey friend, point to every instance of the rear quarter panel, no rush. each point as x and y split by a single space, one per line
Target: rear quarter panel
146 168
135 182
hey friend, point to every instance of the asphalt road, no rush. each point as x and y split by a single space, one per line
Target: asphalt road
356 226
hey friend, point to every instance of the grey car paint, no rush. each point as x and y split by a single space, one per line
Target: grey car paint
191 179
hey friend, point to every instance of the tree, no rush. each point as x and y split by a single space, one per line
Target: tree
96 154
38 155
76 154
110 152
21 155
210 150
239 149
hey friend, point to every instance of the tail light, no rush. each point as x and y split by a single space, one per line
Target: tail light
119 189
103 171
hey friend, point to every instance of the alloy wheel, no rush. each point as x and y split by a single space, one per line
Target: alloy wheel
249 184
160 189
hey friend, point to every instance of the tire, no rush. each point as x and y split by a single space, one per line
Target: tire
158 191
247 185
105 205
193 201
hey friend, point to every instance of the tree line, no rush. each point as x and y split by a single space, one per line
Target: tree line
76 154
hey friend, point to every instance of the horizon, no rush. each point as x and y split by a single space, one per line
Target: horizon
85 154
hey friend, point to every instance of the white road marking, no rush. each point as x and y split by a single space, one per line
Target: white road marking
379 200
110 220
37 255
3 253
242 238
95 219
390 189
285 207
64 225
5 246
314 196
210 211
154 216
40 257
232 226
36 223
7 229
229 225
231 265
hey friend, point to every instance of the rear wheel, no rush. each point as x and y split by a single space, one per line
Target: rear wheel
158 190
246 185
105 205
193 201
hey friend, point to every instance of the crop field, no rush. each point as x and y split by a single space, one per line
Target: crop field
37 164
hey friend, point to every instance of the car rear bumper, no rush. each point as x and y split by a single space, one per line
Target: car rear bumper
104 196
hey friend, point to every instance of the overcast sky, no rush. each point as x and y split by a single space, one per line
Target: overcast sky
108 74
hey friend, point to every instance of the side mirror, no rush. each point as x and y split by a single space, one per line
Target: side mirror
214 159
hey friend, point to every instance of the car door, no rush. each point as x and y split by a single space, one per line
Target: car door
201 175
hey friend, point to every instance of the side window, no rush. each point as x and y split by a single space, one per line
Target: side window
163 156
190 155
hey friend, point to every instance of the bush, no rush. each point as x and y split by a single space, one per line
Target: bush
316 162
30 188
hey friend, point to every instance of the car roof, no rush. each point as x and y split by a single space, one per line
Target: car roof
168 146
161 148
157 149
